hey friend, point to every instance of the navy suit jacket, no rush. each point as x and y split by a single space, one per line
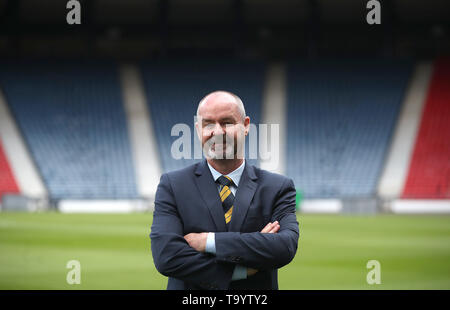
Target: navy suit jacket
187 201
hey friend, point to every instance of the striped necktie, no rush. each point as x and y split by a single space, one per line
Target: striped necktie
226 196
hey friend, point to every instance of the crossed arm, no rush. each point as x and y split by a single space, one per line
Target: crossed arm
198 241
183 257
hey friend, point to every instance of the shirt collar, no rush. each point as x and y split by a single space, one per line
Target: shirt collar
234 175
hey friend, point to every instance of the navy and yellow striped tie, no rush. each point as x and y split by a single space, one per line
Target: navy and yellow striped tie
226 196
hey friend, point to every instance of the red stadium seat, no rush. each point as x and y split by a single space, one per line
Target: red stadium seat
7 183
429 171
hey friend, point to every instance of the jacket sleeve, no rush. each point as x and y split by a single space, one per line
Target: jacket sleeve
262 250
172 255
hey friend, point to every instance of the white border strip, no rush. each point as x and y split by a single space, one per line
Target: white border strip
418 206
397 163
143 143
274 112
102 206
20 160
321 206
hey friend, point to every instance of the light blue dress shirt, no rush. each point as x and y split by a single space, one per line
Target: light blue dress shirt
240 272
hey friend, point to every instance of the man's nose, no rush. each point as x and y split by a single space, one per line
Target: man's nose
218 130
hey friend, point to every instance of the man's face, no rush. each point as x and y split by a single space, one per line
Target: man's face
221 128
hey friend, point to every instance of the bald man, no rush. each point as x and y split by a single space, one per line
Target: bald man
221 223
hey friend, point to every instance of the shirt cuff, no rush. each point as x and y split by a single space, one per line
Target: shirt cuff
239 273
210 244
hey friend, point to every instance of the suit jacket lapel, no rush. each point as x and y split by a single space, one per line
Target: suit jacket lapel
208 191
244 195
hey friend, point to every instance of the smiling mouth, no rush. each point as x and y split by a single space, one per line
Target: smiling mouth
220 146
223 145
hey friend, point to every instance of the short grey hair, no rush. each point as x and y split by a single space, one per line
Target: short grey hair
239 102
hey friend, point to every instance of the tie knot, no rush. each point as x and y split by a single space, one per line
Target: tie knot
224 180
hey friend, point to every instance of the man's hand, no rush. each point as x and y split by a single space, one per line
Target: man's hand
197 240
271 228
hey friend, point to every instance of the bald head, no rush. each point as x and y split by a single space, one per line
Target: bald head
222 126
224 99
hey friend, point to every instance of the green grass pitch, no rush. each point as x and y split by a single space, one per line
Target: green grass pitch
114 252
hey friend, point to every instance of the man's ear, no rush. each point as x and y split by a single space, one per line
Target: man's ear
197 130
247 125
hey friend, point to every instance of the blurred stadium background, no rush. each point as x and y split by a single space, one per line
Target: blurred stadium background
86 113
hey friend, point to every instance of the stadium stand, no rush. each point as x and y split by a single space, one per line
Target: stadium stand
340 119
7 183
72 119
429 171
171 86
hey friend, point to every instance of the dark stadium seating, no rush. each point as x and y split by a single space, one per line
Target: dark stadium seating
429 171
7 183
174 89
340 120
73 121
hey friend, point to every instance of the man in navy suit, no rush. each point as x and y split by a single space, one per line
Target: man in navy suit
222 223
